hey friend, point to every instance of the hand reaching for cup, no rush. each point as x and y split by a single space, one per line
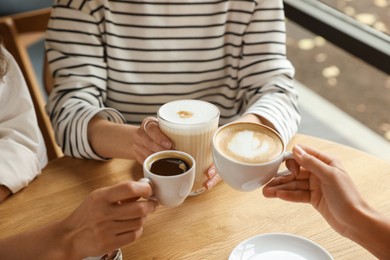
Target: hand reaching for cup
321 180
109 218
213 177
106 220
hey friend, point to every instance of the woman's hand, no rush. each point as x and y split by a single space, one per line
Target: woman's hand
113 140
213 177
108 218
321 181
148 139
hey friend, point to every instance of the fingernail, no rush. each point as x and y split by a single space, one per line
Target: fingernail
166 144
299 150
211 173
209 185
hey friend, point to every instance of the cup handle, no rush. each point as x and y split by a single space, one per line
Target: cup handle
148 181
285 172
148 120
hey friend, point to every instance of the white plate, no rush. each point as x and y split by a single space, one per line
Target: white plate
278 247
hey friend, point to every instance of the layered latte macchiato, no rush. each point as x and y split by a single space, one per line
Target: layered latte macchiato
248 143
190 124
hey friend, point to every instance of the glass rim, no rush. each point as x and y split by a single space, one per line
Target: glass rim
184 124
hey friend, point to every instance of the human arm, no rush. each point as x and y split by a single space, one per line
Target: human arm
113 140
266 73
107 219
23 153
321 181
85 124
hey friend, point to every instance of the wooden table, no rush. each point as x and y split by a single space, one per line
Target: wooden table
207 226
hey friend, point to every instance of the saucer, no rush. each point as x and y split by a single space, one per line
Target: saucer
278 246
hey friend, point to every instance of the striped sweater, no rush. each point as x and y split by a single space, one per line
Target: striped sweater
123 59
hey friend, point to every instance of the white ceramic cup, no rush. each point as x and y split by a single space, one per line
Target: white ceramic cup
247 176
191 124
170 190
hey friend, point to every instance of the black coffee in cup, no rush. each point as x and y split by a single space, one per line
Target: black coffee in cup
169 166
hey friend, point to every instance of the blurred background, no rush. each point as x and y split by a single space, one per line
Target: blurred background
357 88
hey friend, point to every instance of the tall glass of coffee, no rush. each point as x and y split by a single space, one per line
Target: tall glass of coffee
190 124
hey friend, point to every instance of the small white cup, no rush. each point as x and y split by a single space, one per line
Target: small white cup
248 176
170 191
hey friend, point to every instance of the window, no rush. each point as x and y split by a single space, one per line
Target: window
374 13
341 59
362 41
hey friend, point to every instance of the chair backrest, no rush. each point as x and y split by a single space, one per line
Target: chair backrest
18 31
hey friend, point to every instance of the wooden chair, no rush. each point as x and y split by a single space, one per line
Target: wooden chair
18 32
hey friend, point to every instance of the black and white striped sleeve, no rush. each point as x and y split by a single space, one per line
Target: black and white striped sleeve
76 56
265 71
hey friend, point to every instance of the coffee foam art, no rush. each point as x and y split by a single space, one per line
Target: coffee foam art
249 144
188 112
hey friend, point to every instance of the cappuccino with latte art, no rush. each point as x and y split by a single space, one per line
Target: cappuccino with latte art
248 143
248 155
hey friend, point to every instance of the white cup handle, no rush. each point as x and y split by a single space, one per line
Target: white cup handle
285 172
148 181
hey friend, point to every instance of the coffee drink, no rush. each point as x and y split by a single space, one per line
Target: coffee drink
248 155
190 124
248 143
171 175
169 166
168 163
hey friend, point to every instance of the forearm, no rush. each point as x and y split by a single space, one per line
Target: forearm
111 140
46 242
372 231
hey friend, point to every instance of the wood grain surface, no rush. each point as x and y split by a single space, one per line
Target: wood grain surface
207 226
